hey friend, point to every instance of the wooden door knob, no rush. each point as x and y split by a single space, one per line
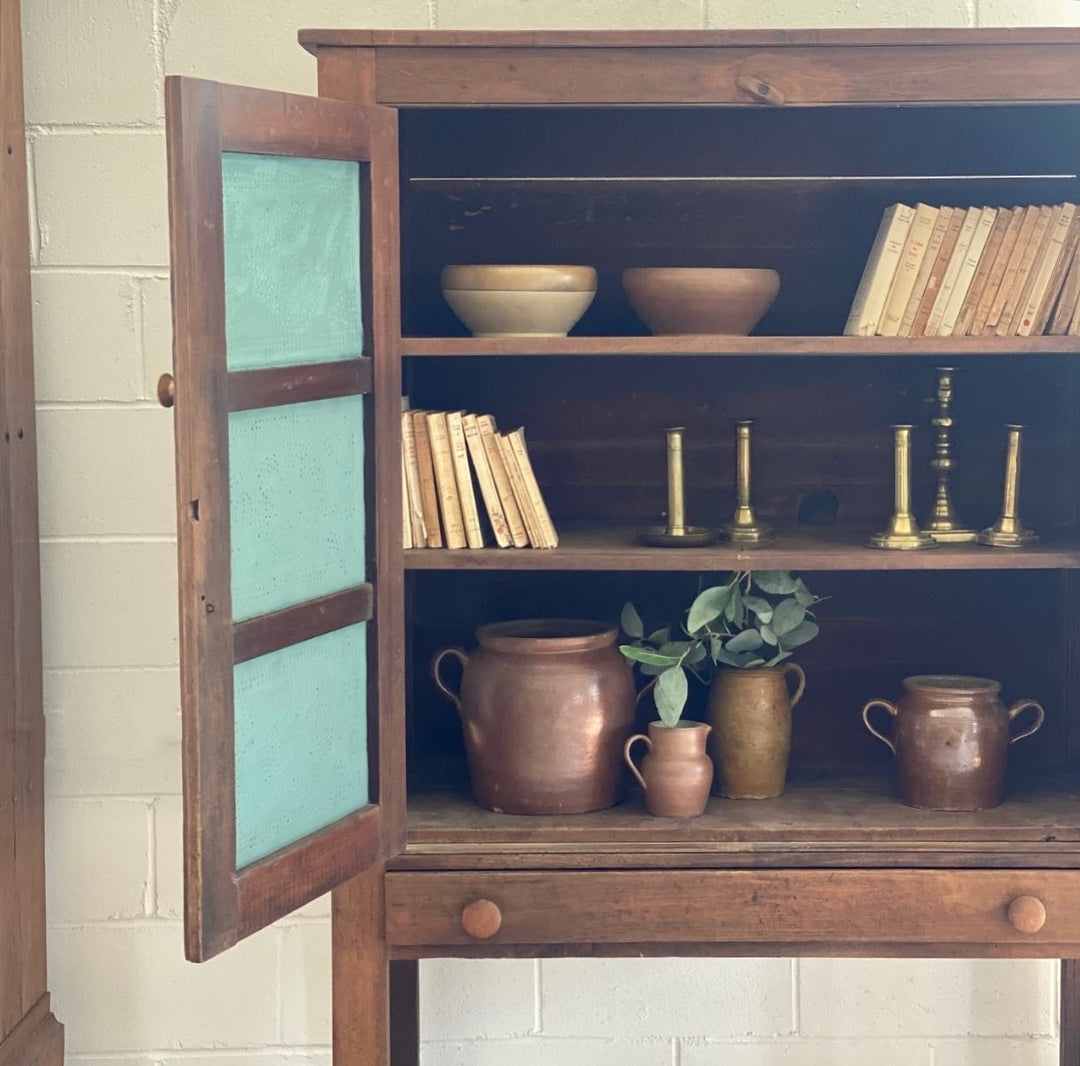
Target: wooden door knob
1027 914
481 919
166 390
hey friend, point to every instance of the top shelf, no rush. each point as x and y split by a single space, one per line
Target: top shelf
938 347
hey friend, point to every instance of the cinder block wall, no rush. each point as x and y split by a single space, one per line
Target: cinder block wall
94 72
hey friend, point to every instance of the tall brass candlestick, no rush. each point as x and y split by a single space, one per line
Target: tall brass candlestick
902 533
944 524
1008 531
676 534
744 528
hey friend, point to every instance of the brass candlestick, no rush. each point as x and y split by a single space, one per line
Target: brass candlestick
944 524
744 529
902 533
676 534
1008 531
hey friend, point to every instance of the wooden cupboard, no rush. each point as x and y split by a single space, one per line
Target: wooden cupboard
307 239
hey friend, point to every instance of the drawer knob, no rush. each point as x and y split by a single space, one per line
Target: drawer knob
166 390
1027 914
481 919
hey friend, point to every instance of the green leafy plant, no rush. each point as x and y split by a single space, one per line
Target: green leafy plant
756 619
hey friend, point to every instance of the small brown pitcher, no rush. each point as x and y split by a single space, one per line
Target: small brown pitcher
950 738
750 712
676 773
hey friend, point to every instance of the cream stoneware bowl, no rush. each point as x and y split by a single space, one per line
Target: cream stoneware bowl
729 300
519 300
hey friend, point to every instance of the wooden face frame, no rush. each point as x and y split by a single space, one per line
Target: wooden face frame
205 119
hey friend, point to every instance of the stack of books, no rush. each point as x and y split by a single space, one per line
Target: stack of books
971 272
441 452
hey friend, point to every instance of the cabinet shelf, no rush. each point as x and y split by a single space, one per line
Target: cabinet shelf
824 548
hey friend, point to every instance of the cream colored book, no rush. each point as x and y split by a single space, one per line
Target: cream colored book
933 248
459 451
1010 316
532 487
413 504
982 272
1074 325
446 480
515 523
429 497
489 493
997 270
952 272
869 303
984 225
933 282
1043 271
1070 297
1042 253
1008 279
521 495
406 524
1057 280
907 270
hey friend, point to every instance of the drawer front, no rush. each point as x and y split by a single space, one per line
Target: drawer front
851 907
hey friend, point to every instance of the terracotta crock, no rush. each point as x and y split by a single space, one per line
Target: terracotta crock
750 714
950 738
676 773
545 708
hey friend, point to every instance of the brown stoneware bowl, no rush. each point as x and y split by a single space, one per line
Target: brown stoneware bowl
728 300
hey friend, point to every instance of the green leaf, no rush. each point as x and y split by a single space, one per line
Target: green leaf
670 695
788 614
735 612
768 635
631 622
801 634
708 607
779 657
775 582
753 663
696 655
675 648
803 594
747 640
651 670
660 636
762 608
722 655
645 655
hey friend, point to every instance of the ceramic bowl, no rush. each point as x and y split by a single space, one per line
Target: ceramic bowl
728 300
519 300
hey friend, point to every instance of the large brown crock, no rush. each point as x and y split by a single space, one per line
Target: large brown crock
545 707
950 739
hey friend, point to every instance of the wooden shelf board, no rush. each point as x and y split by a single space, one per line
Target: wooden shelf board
938 347
823 548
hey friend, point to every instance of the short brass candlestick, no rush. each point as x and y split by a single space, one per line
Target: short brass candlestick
902 533
944 524
744 529
1008 531
676 534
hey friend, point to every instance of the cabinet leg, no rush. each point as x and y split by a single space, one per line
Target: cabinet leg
405 1013
1069 1026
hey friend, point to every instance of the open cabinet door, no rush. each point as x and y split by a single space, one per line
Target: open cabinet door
283 213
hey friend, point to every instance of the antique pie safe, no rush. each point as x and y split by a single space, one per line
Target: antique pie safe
307 239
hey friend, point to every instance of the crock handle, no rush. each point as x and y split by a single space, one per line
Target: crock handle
630 762
795 668
463 658
1023 705
891 708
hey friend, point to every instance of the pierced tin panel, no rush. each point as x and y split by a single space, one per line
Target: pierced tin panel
301 740
296 503
292 260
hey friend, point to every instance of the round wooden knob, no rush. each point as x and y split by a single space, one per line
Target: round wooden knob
166 390
481 919
1027 914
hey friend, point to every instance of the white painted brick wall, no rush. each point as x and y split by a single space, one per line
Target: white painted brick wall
94 73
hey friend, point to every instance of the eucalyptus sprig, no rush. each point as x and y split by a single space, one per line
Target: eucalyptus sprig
755 620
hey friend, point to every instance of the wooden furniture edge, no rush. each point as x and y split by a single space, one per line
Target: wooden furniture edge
38 1040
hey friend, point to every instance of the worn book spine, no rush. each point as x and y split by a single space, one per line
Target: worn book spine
445 480
489 493
1056 287
474 535
426 467
997 271
1059 234
983 227
933 282
1038 262
1070 295
406 524
933 248
532 487
521 495
413 503
982 272
1008 279
869 303
1010 315
952 271
515 524
907 270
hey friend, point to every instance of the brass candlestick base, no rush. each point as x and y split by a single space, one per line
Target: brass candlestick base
690 537
744 529
902 533
1008 531
676 534
944 524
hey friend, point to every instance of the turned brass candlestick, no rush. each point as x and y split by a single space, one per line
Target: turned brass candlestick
1008 531
676 534
744 529
944 524
902 533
